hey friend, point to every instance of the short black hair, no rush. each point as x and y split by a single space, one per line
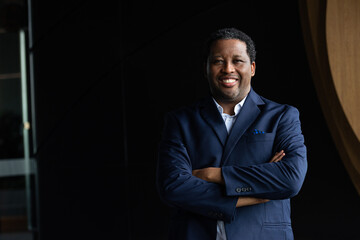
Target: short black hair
230 33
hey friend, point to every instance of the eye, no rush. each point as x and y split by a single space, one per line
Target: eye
238 61
217 61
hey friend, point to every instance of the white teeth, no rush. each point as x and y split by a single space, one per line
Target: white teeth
229 80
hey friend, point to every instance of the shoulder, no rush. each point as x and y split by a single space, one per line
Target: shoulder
283 112
275 106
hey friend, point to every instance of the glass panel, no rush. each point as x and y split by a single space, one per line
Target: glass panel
14 182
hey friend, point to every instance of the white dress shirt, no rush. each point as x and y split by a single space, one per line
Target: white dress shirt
229 121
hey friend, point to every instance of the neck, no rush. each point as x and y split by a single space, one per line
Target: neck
228 107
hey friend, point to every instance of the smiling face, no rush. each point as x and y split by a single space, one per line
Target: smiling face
229 70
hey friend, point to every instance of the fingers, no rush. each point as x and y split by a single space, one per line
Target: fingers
278 156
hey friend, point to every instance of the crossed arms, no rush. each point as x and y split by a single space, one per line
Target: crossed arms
213 174
201 191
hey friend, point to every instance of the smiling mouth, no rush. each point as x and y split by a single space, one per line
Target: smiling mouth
229 80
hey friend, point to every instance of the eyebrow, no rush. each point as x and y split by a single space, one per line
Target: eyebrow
215 56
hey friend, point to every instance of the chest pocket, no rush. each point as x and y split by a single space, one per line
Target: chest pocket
261 137
254 149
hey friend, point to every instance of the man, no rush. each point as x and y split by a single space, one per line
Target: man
230 164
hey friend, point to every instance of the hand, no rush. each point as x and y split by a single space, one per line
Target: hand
247 201
278 156
210 174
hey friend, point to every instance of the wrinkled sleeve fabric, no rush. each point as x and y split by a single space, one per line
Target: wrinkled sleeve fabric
176 184
278 180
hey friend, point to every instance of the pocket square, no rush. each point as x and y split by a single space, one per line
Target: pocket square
255 132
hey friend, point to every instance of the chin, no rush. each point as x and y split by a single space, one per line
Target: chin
229 99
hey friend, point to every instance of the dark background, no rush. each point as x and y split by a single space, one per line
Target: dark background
106 72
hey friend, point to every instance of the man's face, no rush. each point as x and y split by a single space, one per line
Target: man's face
229 70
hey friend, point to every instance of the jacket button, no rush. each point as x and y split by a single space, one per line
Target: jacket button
238 189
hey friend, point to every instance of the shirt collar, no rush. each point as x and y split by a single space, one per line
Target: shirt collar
236 108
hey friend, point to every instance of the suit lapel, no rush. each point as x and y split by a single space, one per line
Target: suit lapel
211 115
247 115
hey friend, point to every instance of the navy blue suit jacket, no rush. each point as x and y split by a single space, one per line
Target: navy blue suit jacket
196 137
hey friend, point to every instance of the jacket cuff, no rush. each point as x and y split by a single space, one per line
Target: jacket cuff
227 212
234 188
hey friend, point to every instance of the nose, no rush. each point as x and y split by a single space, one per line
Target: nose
228 68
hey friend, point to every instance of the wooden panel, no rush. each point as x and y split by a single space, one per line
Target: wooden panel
330 31
343 38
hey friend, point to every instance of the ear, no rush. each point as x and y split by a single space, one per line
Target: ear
253 67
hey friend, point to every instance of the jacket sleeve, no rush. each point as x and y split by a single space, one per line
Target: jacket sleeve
179 188
278 180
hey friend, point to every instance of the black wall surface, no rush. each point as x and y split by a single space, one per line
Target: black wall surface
106 72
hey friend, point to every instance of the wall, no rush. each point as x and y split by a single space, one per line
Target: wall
105 73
